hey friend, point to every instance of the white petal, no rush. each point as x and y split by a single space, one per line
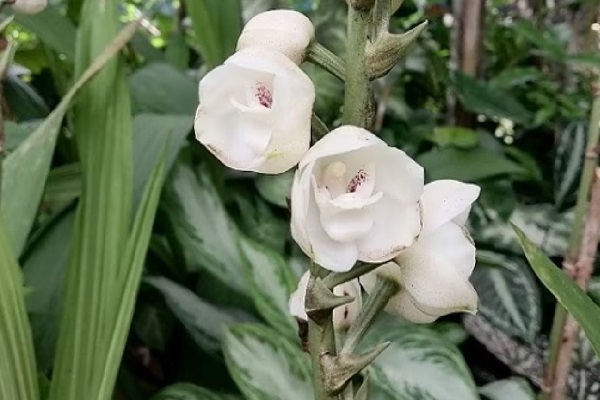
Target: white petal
345 315
341 140
404 306
389 270
446 200
434 272
300 201
286 31
298 298
396 225
347 217
398 175
308 232
29 6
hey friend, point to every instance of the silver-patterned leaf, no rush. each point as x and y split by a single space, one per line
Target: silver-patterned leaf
508 294
265 365
513 389
419 364
568 161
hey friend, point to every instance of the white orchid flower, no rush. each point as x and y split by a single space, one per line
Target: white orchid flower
286 31
255 111
343 316
433 274
355 198
29 6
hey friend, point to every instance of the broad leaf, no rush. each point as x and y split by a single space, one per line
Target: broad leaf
216 28
44 271
53 28
566 291
205 322
467 165
419 364
513 389
203 227
568 161
159 88
150 133
455 136
480 97
275 189
188 391
508 295
266 366
272 282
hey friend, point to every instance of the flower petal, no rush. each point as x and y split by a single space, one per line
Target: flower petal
344 316
286 31
446 200
396 225
297 300
404 305
300 201
435 272
341 140
399 176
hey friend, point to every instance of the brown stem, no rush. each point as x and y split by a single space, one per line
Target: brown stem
580 271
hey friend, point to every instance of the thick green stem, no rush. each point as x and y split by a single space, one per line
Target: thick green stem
323 57
321 341
356 97
380 295
591 161
332 280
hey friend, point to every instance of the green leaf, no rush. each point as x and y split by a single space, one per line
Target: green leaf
44 271
568 161
151 132
62 187
18 375
566 291
540 222
515 77
258 221
17 133
188 391
482 98
276 189
271 283
53 28
467 165
159 88
508 295
25 103
177 52
203 227
154 325
266 366
455 136
419 364
216 28
513 389
204 322
25 170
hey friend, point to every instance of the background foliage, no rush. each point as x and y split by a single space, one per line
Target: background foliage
220 263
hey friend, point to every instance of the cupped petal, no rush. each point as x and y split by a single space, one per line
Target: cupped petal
286 31
297 301
447 200
342 140
435 272
308 232
399 176
346 218
300 201
395 227
389 270
403 305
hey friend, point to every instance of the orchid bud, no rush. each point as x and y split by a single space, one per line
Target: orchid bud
433 274
286 31
255 111
29 6
355 198
343 316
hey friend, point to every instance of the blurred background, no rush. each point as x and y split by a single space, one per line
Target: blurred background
494 92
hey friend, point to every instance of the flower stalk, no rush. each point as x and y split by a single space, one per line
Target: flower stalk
358 85
324 58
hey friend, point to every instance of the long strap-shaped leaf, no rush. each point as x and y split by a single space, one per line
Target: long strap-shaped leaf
18 376
103 130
